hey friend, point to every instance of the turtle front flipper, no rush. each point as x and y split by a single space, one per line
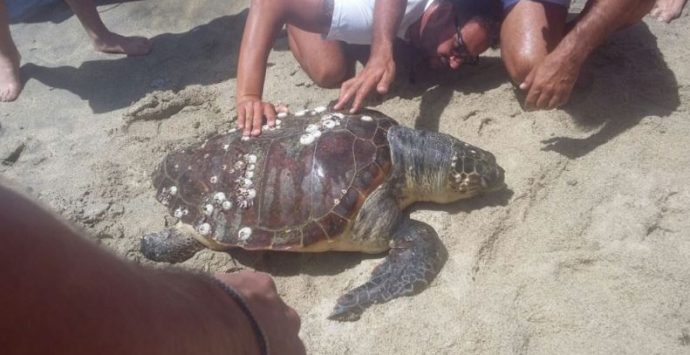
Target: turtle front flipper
170 245
415 258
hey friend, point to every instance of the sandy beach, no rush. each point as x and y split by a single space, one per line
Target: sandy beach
586 252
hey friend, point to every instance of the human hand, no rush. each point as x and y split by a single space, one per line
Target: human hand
251 112
550 83
379 72
279 322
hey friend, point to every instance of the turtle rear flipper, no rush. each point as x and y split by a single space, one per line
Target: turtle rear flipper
415 258
169 245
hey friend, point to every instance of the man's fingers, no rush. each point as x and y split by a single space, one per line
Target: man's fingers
554 102
346 93
249 114
543 100
362 93
527 83
270 113
385 82
257 118
531 98
241 114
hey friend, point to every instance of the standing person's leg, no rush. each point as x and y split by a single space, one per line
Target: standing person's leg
10 85
530 31
104 40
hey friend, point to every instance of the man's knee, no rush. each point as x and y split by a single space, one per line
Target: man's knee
520 64
328 77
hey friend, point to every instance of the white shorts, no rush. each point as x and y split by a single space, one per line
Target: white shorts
353 20
564 3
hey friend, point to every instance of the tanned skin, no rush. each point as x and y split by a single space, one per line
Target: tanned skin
65 295
326 62
544 59
379 70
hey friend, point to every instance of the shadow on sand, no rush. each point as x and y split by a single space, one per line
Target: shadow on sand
631 81
207 54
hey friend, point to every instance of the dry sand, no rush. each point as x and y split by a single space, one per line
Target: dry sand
587 252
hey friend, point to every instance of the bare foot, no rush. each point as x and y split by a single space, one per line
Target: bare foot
10 86
667 10
115 43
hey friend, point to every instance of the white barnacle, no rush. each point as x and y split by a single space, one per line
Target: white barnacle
208 209
281 115
457 177
244 183
336 201
366 118
225 147
249 174
204 229
245 138
339 115
244 233
265 127
213 179
227 205
316 134
306 139
454 158
251 167
251 193
178 212
251 158
244 203
219 197
278 121
177 166
311 128
232 130
300 113
320 109
328 124
240 164
173 190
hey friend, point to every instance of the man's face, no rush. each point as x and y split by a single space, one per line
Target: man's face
448 47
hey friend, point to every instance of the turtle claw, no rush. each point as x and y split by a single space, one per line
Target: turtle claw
415 258
169 245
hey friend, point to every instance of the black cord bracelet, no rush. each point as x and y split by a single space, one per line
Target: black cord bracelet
260 335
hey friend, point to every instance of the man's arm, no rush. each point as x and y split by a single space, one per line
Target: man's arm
64 295
264 22
550 83
379 71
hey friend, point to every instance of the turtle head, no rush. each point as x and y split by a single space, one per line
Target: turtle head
472 171
440 168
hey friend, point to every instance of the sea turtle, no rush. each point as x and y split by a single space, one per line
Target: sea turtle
321 180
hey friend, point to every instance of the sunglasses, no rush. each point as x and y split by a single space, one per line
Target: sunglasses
460 48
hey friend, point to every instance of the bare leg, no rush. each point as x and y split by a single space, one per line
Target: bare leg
10 86
103 39
667 10
530 31
324 61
